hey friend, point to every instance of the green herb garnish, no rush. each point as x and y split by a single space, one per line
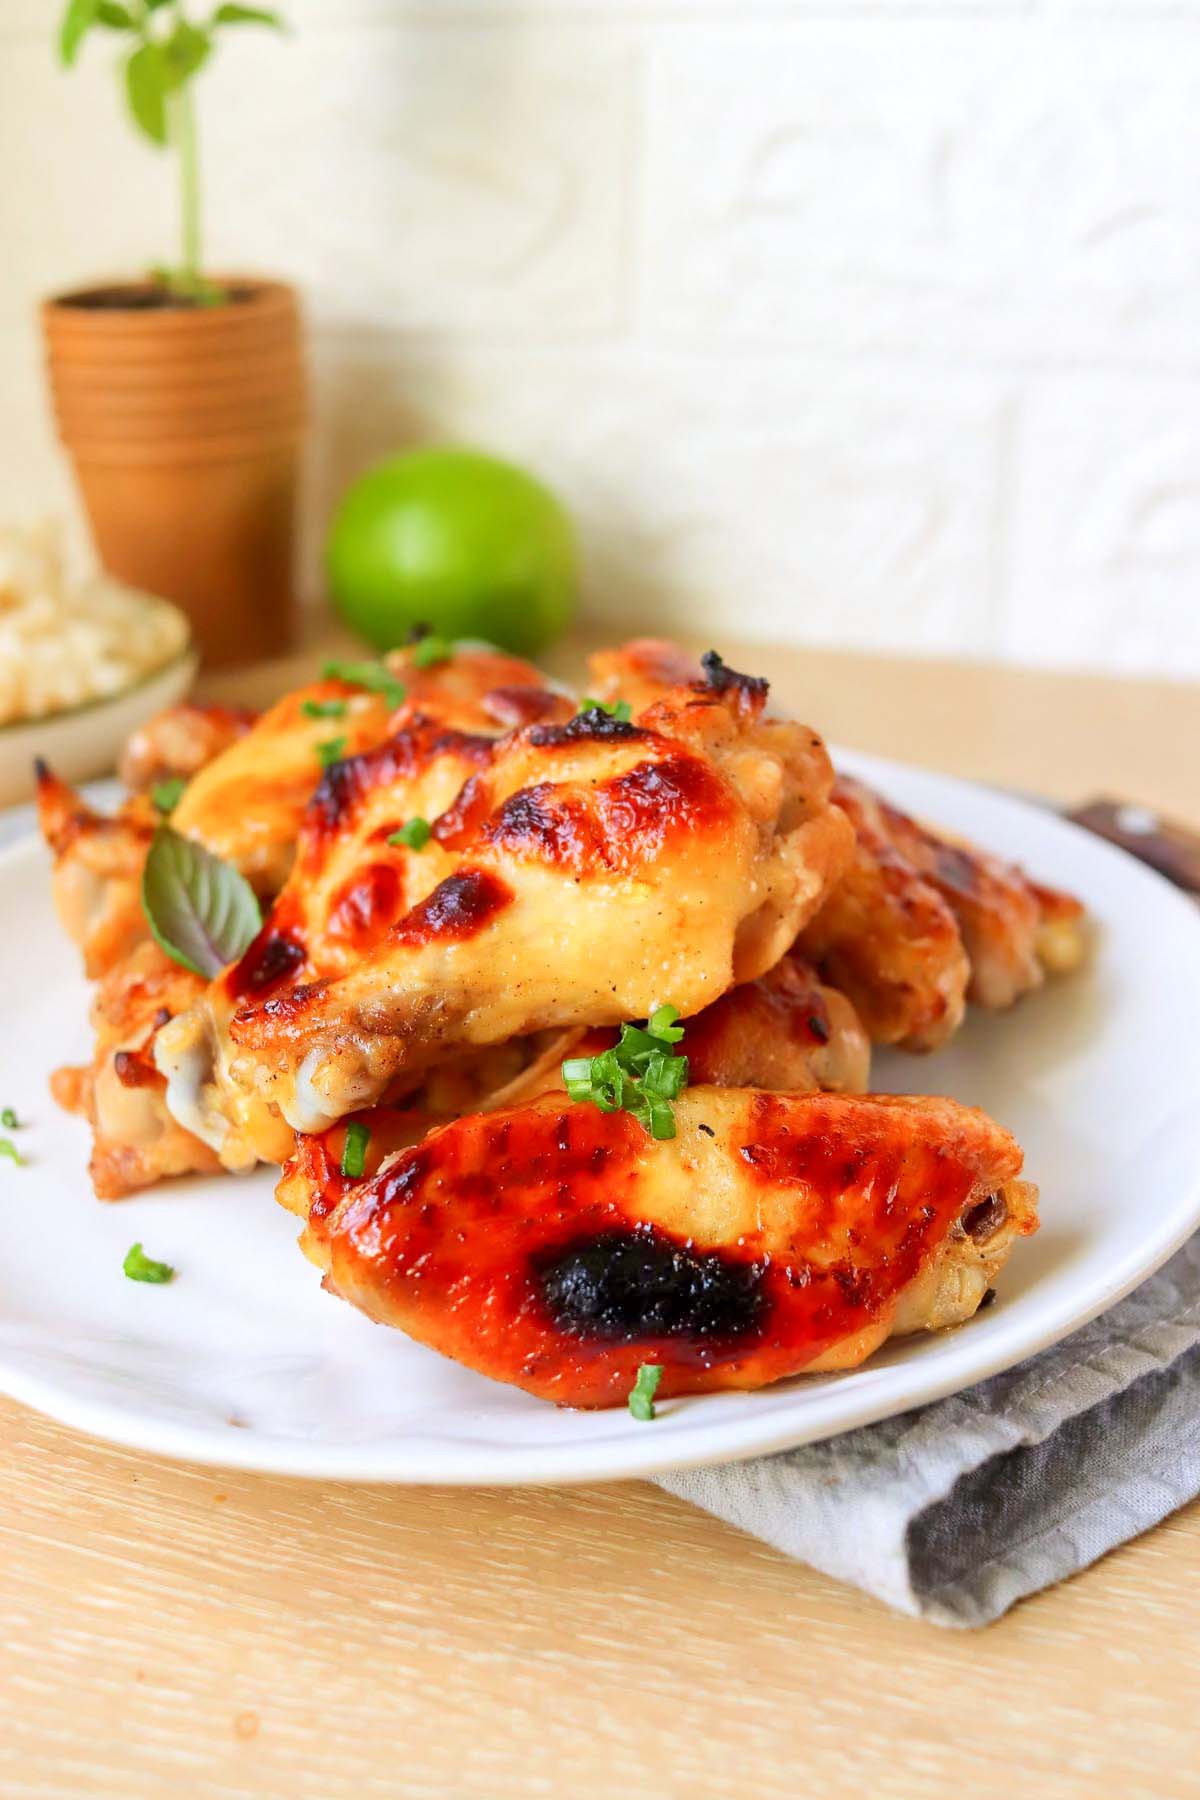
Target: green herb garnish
431 649
414 835
330 751
323 709
140 1267
377 678
9 1149
641 1394
354 1150
9 1119
616 709
166 795
202 911
640 1075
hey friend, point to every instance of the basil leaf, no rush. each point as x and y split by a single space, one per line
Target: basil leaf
146 83
184 52
229 14
202 912
115 16
166 795
77 21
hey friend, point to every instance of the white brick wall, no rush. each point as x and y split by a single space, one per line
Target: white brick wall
861 321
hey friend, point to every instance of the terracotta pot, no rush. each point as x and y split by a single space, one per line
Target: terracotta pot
185 426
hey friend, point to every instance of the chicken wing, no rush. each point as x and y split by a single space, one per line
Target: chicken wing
135 1141
786 1032
246 803
559 1248
921 923
584 871
179 741
887 938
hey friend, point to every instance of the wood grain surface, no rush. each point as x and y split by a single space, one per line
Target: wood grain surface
172 1631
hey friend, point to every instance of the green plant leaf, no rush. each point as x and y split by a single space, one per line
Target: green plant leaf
77 21
186 50
117 18
202 912
146 91
230 14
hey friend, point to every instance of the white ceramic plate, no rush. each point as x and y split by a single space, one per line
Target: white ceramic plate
243 1360
86 740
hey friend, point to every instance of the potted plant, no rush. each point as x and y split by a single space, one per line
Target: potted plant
180 396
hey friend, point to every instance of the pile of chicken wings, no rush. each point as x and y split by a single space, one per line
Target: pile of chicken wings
474 912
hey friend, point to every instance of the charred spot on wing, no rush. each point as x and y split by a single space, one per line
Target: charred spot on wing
273 955
279 1009
366 905
457 908
594 725
719 678
351 778
622 1286
134 1070
335 793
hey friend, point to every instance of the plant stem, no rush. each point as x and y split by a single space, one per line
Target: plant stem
184 133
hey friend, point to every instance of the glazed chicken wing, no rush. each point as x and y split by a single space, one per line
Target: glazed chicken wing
920 923
135 1141
245 803
177 742
558 1247
887 938
786 1032
584 871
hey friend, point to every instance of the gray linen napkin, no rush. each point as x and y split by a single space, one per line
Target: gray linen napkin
953 1512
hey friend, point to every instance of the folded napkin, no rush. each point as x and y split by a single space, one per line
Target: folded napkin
953 1512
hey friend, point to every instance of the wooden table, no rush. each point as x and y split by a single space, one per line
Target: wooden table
170 1631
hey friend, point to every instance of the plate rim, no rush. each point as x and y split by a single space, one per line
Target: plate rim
448 1462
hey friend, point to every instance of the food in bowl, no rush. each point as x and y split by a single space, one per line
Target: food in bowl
66 642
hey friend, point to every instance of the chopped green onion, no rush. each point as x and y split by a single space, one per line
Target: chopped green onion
414 835
9 1119
9 1149
431 649
330 751
661 1024
167 794
641 1394
323 709
140 1267
640 1075
377 678
354 1150
616 709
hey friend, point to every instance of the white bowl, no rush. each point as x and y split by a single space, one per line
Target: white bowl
86 740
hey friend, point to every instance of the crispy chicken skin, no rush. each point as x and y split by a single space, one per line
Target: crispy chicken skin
583 872
246 803
97 870
558 1248
786 1032
179 741
135 1141
887 938
921 922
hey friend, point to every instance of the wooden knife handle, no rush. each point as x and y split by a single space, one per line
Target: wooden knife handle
1171 849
